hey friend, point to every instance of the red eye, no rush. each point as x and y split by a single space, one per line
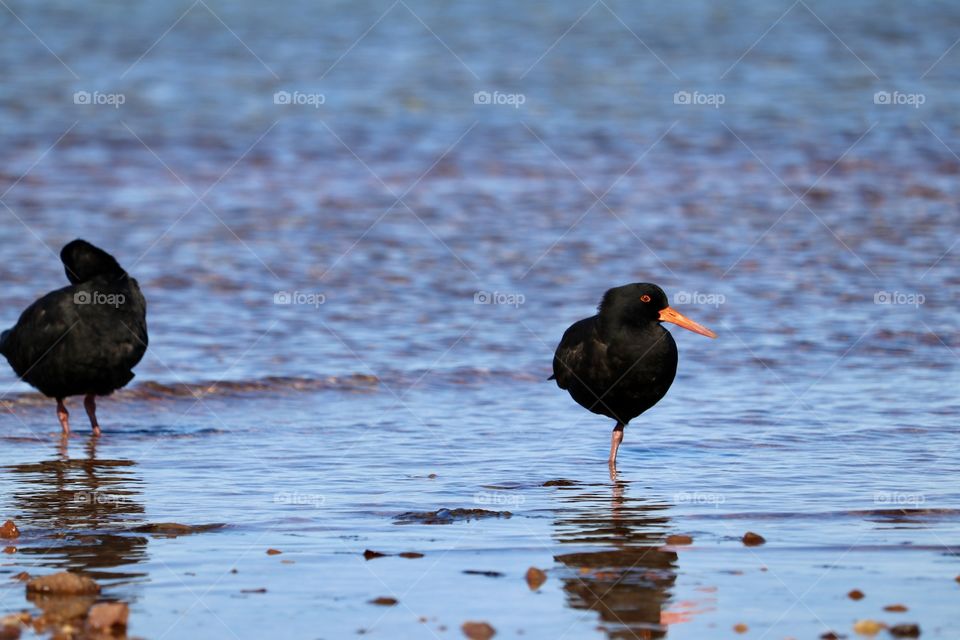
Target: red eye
645 298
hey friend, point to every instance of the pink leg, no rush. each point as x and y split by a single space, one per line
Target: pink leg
90 404
63 416
615 439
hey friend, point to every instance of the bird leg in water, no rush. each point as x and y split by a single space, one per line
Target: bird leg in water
63 416
615 439
90 404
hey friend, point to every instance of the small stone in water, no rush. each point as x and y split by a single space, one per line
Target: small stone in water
274 552
741 628
478 630
905 631
384 601
895 608
535 578
868 627
9 550
9 530
369 554
679 539
63 583
752 539
410 554
855 594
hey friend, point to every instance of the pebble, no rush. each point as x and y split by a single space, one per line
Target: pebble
410 554
855 594
679 539
274 552
9 530
369 554
384 601
895 608
535 578
741 628
905 631
478 630
868 627
752 539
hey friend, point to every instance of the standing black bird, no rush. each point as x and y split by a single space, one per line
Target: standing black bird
83 339
620 362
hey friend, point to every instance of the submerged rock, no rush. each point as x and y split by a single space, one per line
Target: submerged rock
478 630
752 539
173 529
535 578
64 583
9 530
384 601
108 617
449 516
905 631
855 594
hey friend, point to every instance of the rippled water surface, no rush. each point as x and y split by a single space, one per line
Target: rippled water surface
814 229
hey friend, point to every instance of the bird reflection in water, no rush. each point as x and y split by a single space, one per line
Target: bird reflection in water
80 508
628 581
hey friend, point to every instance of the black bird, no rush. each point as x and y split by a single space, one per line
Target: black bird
83 339
620 362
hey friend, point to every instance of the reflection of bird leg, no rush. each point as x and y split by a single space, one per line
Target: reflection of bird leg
63 416
615 439
64 447
90 404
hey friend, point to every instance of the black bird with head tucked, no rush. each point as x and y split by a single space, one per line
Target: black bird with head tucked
621 362
83 339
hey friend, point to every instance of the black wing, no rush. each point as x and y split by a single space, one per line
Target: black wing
574 350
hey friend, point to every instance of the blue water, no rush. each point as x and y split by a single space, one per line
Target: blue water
814 229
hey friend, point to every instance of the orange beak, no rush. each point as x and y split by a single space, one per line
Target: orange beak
677 318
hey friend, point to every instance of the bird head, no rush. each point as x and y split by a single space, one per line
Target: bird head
82 261
641 303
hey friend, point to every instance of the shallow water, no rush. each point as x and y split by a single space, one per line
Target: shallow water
819 418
